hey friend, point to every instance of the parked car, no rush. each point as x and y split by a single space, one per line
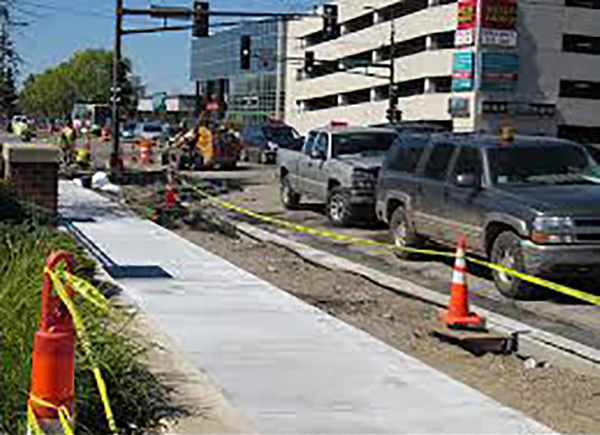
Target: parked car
414 128
530 204
336 166
128 131
148 130
261 142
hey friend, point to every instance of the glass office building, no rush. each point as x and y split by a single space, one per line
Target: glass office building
252 95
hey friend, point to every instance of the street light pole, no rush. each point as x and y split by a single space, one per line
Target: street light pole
392 99
115 159
392 112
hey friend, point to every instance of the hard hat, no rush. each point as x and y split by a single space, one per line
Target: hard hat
508 133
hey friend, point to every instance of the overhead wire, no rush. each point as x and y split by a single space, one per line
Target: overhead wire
69 9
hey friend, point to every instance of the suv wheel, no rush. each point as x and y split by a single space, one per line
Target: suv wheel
403 235
289 198
506 252
339 208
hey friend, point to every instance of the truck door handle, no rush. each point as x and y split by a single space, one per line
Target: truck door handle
310 164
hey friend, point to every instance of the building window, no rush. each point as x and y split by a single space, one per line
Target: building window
321 103
581 44
359 23
357 60
410 88
382 93
356 97
404 48
580 134
590 4
314 38
441 84
440 41
401 9
580 89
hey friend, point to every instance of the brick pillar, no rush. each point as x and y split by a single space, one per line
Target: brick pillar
32 170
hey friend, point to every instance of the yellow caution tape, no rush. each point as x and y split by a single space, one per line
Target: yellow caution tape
578 294
64 416
32 422
85 344
595 300
88 292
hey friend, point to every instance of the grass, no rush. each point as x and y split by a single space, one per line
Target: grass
141 401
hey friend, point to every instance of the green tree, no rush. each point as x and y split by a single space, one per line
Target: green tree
86 77
8 92
9 60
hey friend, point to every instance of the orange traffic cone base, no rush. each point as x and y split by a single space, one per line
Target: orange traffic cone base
469 321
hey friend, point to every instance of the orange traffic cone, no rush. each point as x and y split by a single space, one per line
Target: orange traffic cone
170 197
53 358
145 153
458 315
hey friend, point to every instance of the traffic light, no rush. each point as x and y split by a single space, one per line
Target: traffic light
309 62
330 21
394 116
245 52
201 20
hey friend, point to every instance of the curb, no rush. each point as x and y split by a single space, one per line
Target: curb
532 342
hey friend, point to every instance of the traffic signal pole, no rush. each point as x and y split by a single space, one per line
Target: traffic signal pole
199 14
115 158
393 99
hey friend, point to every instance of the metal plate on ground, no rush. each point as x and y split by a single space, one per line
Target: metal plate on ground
140 272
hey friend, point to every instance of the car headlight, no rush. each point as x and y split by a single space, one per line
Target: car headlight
363 179
547 230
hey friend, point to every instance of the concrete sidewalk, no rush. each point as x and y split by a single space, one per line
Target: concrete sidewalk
287 366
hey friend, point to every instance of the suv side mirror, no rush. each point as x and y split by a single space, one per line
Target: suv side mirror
467 180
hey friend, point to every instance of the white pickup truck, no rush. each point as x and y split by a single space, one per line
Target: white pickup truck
338 167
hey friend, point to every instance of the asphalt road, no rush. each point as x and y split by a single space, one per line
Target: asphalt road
256 188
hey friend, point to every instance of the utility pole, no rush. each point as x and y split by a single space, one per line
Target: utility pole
392 111
393 105
115 158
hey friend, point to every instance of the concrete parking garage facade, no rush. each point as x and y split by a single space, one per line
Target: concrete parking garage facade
541 75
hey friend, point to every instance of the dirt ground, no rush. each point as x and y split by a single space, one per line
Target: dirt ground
562 399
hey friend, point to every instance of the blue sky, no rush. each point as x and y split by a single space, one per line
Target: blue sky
59 27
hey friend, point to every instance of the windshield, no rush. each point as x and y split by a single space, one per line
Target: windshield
556 165
282 136
361 143
152 128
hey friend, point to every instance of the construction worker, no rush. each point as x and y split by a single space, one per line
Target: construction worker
67 144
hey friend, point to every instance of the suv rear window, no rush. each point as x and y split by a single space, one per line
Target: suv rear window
439 158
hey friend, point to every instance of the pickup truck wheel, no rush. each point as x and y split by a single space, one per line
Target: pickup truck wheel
339 208
403 235
506 251
289 198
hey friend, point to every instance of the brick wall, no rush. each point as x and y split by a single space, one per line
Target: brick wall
33 172
36 182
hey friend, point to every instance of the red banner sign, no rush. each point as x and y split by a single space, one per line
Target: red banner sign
467 14
499 14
